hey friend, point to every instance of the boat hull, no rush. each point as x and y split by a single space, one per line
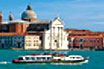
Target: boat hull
49 62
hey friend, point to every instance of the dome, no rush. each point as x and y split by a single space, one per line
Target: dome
29 14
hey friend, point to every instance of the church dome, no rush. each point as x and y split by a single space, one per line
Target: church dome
29 14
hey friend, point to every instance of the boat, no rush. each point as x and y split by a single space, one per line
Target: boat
50 58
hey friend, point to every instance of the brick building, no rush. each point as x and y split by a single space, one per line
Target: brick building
85 39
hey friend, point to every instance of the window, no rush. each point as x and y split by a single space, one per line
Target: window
29 44
34 44
95 40
43 58
33 58
20 58
78 57
27 58
91 41
49 58
72 57
38 58
98 41
81 40
34 40
55 40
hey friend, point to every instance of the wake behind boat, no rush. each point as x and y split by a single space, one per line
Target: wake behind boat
50 58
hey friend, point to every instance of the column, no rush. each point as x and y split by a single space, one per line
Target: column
60 37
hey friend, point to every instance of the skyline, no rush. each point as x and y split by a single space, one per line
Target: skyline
79 14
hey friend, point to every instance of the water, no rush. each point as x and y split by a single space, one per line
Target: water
96 60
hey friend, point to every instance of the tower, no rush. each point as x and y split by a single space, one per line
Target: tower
10 16
1 18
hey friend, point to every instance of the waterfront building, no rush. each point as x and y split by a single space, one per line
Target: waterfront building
30 33
82 39
22 41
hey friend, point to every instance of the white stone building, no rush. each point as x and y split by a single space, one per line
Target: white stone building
52 32
32 42
55 37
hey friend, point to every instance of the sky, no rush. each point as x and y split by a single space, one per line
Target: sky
78 14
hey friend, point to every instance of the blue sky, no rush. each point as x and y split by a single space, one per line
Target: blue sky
80 14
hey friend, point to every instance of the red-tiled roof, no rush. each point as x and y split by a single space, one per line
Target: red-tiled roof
16 34
86 36
79 30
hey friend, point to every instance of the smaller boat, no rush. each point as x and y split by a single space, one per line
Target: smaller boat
50 58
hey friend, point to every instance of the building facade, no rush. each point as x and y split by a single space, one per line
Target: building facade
55 37
82 39
30 33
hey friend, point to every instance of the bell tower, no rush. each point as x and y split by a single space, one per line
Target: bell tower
1 18
10 16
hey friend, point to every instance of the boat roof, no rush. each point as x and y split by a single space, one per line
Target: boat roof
75 56
37 56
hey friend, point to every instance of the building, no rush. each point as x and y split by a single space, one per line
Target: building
30 33
82 39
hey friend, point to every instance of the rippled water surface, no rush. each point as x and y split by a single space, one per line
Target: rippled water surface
96 60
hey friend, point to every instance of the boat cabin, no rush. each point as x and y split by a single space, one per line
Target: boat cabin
35 58
72 57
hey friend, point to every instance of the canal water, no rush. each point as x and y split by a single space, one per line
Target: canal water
96 60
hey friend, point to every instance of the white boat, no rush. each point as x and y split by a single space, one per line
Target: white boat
35 58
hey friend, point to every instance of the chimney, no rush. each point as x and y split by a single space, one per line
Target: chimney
1 17
10 16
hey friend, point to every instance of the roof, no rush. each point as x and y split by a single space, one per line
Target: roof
17 34
75 56
29 13
77 30
19 21
5 22
41 22
12 34
46 21
85 36
83 32
35 31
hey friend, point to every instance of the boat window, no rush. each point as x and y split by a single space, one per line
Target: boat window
33 58
43 58
27 58
49 58
38 58
77 57
20 58
72 57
